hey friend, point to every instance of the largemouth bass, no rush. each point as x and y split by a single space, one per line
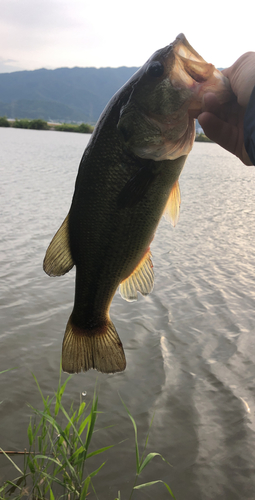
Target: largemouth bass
128 177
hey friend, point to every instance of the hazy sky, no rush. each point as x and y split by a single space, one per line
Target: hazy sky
58 33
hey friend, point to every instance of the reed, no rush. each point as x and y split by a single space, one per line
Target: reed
55 463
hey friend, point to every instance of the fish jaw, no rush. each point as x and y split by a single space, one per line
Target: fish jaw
158 120
192 72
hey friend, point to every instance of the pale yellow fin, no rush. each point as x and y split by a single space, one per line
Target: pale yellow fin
172 210
141 280
58 259
98 347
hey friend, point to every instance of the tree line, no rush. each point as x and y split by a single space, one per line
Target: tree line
39 124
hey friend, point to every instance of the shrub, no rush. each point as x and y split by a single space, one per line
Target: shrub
38 124
84 128
66 127
4 122
23 123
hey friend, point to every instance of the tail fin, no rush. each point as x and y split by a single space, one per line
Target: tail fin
98 347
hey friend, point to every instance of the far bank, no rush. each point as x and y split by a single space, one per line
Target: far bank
83 128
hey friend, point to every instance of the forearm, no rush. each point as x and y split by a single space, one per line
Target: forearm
249 128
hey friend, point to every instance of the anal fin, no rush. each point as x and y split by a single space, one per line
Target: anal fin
58 259
141 280
98 347
172 209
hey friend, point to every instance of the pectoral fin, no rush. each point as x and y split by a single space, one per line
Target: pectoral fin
141 280
58 259
136 188
172 210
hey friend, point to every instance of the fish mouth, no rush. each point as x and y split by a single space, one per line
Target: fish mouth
191 75
190 71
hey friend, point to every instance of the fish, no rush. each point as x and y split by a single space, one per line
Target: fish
127 179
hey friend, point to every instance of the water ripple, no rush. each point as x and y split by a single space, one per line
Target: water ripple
190 345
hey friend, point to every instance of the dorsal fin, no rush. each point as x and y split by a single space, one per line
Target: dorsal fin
58 259
141 280
172 209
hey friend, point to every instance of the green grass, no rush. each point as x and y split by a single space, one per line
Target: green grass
83 128
58 457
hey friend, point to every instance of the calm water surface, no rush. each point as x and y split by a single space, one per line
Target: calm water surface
189 345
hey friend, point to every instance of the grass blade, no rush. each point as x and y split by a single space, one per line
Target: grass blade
101 450
97 470
39 388
13 463
18 480
83 425
136 440
147 437
13 487
51 495
71 424
59 394
8 370
30 434
85 488
81 409
151 483
87 482
147 460
54 424
92 421
57 481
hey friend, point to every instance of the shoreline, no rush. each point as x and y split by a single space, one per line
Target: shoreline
84 128
39 124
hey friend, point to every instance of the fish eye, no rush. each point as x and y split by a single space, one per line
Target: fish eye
155 69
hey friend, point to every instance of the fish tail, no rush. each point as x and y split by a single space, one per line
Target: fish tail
98 347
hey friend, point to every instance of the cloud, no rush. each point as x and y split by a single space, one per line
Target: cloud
7 66
57 33
34 15
39 32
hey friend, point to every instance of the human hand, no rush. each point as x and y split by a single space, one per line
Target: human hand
223 123
242 77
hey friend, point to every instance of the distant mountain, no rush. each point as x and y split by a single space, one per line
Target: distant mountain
64 94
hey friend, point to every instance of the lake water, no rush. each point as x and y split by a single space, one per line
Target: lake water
190 344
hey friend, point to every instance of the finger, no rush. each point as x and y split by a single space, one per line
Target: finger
210 103
219 131
224 134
